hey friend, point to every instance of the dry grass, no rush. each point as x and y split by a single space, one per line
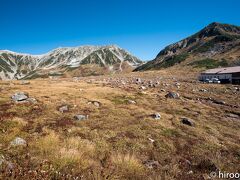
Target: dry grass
128 166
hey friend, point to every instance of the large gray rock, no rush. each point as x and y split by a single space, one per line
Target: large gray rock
172 95
19 96
80 117
18 142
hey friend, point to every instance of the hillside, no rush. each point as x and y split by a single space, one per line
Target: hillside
215 45
62 60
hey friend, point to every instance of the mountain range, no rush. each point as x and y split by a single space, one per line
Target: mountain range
213 46
62 60
216 45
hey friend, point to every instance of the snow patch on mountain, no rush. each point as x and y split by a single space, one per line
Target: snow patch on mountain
19 65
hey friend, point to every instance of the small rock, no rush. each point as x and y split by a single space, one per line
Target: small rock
143 87
151 85
143 92
80 117
156 116
95 103
203 90
131 101
18 142
218 102
19 96
236 88
138 80
151 140
172 95
235 116
24 83
32 100
151 164
177 84
63 109
187 121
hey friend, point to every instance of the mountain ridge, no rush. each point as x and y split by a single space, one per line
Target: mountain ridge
212 41
15 65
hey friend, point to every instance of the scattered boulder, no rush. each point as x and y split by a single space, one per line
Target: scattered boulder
32 100
172 95
80 117
177 84
63 109
95 103
20 96
131 101
138 81
24 83
151 164
151 85
18 142
151 140
236 88
143 92
156 116
216 101
234 116
143 87
23 97
166 84
187 121
157 83
203 90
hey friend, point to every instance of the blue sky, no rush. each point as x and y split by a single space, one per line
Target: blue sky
143 27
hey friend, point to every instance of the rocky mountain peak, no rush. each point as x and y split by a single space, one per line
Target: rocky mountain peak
112 57
215 41
215 29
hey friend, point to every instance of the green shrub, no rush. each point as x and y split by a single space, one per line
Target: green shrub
209 63
174 60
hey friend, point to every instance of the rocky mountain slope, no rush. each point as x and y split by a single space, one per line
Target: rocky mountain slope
17 66
215 45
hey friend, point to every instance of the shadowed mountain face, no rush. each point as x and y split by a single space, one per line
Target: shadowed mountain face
59 61
215 45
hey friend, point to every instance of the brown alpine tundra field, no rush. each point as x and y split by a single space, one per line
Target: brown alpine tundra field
143 125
